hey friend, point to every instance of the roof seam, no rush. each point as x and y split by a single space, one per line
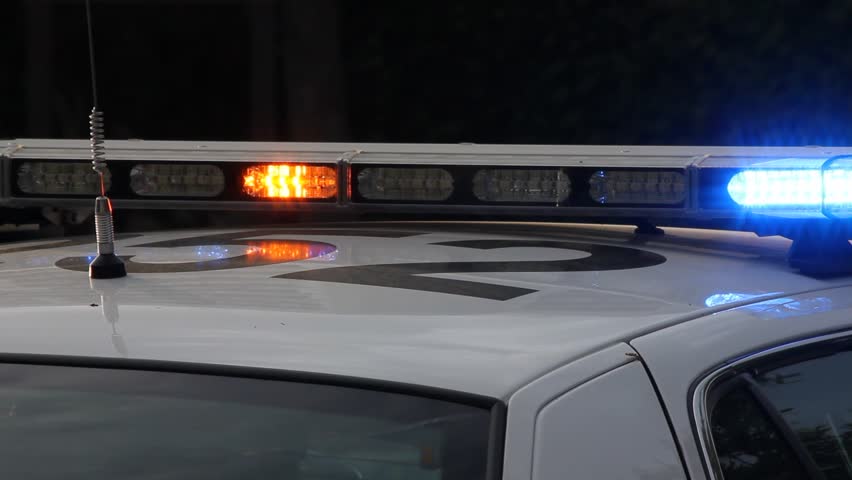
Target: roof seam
640 332
704 312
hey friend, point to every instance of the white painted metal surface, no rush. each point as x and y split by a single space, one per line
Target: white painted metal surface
525 404
411 302
244 316
610 427
682 355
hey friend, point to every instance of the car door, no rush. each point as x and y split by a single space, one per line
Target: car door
784 413
759 391
596 418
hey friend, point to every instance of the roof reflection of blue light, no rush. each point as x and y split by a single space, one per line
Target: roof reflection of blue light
788 307
775 307
211 251
328 257
726 298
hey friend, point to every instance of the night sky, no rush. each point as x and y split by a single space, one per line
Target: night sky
582 71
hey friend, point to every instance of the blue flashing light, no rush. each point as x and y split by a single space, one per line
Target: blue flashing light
768 188
805 189
838 188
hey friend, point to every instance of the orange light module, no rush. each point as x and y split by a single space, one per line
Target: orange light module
290 181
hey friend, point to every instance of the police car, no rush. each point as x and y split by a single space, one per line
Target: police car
519 348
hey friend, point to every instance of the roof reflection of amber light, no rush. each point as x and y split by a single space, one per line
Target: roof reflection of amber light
290 181
283 251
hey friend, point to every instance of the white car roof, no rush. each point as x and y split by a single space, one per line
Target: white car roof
439 320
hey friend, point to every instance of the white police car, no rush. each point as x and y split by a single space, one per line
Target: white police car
433 350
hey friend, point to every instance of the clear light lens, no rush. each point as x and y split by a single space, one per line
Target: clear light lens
637 187
777 188
801 190
163 180
521 185
293 181
60 178
838 188
407 184
790 188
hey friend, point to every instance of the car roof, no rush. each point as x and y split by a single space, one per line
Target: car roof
479 307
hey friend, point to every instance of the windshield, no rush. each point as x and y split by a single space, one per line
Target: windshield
84 423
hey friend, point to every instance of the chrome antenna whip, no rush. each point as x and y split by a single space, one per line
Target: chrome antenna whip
106 264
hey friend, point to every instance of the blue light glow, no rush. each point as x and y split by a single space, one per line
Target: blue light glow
726 298
838 188
211 251
792 188
788 307
772 308
327 257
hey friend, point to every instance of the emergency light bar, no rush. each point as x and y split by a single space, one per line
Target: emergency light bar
803 193
697 183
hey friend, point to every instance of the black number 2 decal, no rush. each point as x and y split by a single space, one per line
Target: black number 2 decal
406 275
394 275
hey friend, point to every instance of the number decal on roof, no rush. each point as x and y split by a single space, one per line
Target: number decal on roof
407 275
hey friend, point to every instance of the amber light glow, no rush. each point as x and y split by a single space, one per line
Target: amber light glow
290 181
286 251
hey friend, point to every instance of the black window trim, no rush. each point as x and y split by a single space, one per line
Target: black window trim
496 407
703 396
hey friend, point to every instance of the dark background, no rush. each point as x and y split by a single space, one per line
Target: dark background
582 71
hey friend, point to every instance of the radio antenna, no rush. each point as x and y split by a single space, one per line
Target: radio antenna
106 264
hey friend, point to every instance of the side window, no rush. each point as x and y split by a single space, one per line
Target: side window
85 423
748 444
786 416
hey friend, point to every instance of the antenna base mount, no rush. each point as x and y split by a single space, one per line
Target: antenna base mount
107 265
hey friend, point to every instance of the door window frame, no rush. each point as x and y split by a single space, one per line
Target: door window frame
709 389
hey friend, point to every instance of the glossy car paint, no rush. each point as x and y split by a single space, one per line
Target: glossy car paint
253 297
245 316
611 427
526 404
682 355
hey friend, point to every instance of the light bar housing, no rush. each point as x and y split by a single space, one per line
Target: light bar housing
176 180
703 174
59 178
